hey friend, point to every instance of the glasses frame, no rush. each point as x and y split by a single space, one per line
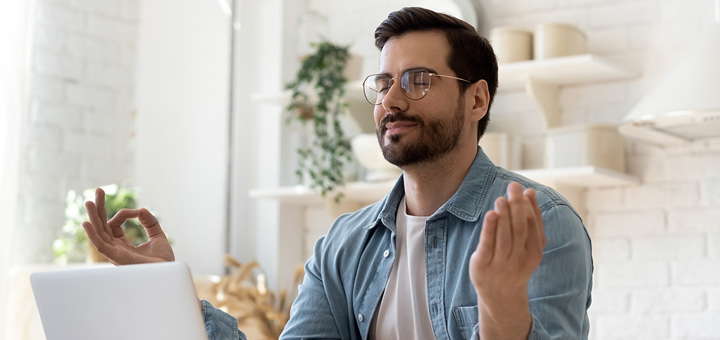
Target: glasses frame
391 82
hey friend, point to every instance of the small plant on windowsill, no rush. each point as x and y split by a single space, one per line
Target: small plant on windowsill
321 73
73 245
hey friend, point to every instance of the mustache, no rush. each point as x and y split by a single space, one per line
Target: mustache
398 116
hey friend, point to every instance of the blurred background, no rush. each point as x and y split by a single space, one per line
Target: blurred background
184 102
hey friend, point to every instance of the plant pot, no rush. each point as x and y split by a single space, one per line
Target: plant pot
305 112
94 256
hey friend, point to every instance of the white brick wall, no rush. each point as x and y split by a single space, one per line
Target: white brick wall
80 124
616 326
696 326
631 274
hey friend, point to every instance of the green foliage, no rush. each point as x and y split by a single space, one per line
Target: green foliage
322 73
73 245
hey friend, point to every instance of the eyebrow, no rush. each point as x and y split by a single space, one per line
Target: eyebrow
409 69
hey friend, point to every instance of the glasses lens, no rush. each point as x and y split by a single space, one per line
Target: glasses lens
416 83
374 87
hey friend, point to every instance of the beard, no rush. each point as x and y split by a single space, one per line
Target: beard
436 138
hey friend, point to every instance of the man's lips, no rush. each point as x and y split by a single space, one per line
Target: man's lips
398 126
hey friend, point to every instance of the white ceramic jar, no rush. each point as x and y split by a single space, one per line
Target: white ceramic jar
554 40
511 44
367 151
598 145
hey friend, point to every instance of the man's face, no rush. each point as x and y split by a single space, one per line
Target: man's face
415 131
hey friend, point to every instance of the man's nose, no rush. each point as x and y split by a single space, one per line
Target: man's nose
395 100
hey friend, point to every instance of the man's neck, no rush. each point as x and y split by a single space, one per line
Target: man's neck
428 186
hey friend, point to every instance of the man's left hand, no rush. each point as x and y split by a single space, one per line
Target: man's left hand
510 248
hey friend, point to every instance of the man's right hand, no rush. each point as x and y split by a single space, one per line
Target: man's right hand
109 238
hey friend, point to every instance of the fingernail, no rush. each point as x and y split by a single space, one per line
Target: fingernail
502 202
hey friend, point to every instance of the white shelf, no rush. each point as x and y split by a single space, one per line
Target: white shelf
575 69
542 79
365 192
580 177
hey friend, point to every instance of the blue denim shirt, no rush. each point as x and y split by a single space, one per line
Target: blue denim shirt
347 274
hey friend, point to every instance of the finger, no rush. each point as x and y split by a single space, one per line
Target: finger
117 221
93 236
152 227
100 209
486 244
518 220
97 224
116 255
537 214
503 238
100 204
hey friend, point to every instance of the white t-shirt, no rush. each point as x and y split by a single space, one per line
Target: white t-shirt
403 312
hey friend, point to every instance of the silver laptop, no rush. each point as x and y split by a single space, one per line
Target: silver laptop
144 301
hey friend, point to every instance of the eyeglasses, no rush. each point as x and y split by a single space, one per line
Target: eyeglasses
415 84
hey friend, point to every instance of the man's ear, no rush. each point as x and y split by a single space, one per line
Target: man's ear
481 99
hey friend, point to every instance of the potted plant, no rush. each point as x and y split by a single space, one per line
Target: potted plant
321 74
73 245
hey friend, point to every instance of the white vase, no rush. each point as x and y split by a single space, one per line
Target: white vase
367 151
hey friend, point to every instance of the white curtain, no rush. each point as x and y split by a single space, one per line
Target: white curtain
15 32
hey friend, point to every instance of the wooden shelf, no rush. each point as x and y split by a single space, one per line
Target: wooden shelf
580 177
575 69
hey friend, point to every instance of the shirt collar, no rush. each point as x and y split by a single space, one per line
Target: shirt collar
465 204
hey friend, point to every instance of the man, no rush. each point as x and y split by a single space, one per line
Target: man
424 262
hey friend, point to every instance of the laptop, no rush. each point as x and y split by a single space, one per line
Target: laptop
141 301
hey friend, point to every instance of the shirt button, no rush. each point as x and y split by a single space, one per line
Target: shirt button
386 254
361 318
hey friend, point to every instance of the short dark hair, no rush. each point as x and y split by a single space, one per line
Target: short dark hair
471 56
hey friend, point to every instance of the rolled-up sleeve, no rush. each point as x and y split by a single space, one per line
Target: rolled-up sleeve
220 325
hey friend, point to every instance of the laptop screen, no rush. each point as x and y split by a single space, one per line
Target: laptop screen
144 301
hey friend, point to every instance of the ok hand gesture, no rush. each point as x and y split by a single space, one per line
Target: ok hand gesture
109 238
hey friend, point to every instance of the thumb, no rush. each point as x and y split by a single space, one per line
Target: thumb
150 223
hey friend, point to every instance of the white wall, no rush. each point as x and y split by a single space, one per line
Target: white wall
80 117
14 33
182 99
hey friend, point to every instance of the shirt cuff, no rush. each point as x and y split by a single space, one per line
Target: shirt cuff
533 335
220 325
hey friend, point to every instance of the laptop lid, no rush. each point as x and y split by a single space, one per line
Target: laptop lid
142 301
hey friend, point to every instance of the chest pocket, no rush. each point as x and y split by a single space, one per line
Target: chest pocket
465 319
